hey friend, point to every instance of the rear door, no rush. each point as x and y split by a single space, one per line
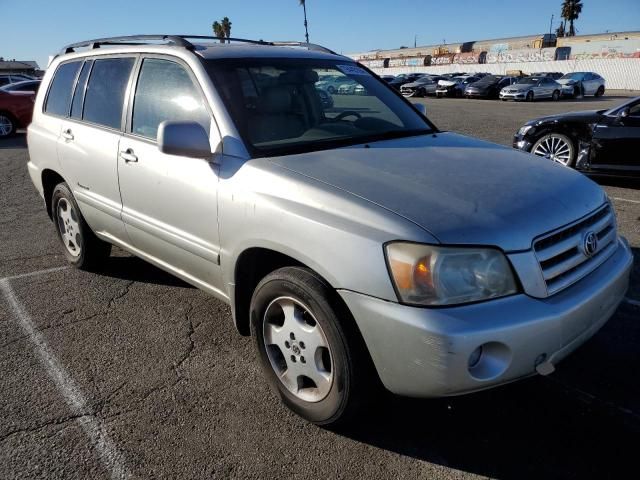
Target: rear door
616 142
89 140
170 202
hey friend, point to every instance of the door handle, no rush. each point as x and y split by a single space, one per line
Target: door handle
128 155
67 134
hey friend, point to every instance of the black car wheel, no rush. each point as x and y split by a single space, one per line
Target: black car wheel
600 91
556 95
530 97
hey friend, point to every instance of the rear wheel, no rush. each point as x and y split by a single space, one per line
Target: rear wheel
556 95
81 247
7 125
556 147
307 349
530 97
600 91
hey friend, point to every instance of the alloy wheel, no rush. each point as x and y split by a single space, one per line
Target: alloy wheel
69 227
6 126
298 349
555 148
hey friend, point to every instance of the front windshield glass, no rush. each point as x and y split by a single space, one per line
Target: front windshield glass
529 80
489 80
277 107
573 76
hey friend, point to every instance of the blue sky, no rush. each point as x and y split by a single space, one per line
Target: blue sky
34 29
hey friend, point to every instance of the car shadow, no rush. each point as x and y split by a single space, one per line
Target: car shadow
616 181
138 270
17 141
536 428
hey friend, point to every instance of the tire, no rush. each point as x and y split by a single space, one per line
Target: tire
529 97
331 90
556 147
600 91
82 248
555 96
327 387
8 125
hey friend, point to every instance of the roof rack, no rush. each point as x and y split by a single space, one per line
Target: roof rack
181 41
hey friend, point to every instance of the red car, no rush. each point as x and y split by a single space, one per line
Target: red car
16 106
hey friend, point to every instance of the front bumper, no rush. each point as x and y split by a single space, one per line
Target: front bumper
425 352
513 96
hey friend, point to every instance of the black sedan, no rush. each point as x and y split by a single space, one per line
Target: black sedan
405 78
489 86
598 142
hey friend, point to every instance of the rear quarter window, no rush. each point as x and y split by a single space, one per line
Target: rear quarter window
59 97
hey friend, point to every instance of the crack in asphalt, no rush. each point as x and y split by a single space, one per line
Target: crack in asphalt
122 294
191 346
33 429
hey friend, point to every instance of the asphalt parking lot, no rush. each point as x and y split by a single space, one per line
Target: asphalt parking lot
133 373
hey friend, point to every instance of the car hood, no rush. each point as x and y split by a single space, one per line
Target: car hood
446 83
415 84
567 81
461 190
584 116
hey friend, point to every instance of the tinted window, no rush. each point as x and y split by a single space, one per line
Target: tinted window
59 96
78 96
105 91
165 92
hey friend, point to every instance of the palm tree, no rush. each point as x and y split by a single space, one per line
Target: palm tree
571 10
226 27
218 31
306 30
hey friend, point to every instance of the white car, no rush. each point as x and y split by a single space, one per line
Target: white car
578 84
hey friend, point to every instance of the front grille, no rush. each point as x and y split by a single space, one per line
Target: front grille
562 255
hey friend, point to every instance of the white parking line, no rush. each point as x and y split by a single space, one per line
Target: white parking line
624 200
92 426
36 274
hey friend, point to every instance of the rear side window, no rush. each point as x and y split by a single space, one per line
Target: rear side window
59 96
165 92
104 97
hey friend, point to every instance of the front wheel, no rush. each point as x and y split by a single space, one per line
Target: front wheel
556 95
530 97
556 147
82 248
600 91
307 354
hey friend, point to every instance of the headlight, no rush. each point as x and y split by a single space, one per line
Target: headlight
523 130
433 275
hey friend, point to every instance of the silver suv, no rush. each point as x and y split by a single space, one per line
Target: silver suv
356 242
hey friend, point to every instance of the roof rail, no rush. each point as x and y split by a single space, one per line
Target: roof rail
310 46
181 41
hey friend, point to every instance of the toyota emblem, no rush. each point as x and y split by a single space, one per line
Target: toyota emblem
590 244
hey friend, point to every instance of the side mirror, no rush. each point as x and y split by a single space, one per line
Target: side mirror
421 108
185 139
624 113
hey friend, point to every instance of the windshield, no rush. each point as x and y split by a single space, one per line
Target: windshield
277 108
573 76
489 80
529 80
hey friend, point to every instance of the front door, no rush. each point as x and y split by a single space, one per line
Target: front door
169 202
616 142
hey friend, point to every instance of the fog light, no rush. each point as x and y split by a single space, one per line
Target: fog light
521 144
474 358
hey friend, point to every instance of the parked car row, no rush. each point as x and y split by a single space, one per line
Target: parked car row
541 85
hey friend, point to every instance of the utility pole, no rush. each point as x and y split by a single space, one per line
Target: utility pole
551 25
415 40
306 30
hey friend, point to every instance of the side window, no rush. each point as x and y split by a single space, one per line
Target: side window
78 96
165 92
59 96
104 97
